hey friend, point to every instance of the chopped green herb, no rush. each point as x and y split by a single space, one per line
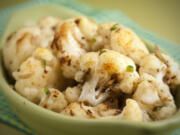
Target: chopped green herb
43 62
130 68
157 108
46 91
93 40
114 27
101 51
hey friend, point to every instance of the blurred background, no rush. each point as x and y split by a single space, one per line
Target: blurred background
159 16
162 17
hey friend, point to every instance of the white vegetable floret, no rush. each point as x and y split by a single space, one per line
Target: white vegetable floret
49 22
39 71
150 64
121 39
21 44
71 41
48 26
53 99
79 109
172 76
132 111
103 72
72 93
154 97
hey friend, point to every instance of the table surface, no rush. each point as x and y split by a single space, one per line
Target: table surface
159 16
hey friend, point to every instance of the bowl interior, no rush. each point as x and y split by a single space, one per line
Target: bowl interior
31 15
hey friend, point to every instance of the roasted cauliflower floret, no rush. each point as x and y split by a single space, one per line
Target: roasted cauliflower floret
154 97
39 71
53 99
150 64
127 42
79 109
24 41
119 38
49 22
172 76
103 72
19 46
68 36
72 93
48 26
87 26
132 111
103 36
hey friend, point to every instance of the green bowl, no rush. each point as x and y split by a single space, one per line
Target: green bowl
45 122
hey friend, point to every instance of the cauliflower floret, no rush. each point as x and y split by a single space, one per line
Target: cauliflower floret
72 93
87 26
69 36
128 82
75 109
24 41
150 64
103 36
172 76
48 26
49 22
79 109
119 38
154 97
132 111
53 99
39 71
103 72
127 42
19 46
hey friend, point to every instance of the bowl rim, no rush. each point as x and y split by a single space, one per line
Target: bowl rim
13 96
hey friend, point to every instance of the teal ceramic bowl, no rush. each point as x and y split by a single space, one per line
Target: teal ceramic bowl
45 122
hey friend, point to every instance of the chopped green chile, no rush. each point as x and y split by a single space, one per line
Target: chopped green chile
93 41
46 91
114 27
43 62
101 51
157 108
130 68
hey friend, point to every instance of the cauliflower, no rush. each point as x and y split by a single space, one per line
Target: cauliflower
48 26
98 64
53 99
103 36
79 109
37 72
87 26
132 111
24 41
154 97
150 64
103 72
49 22
69 36
172 76
19 46
119 38
72 93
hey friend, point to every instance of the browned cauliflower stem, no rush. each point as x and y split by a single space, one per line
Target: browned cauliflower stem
114 75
